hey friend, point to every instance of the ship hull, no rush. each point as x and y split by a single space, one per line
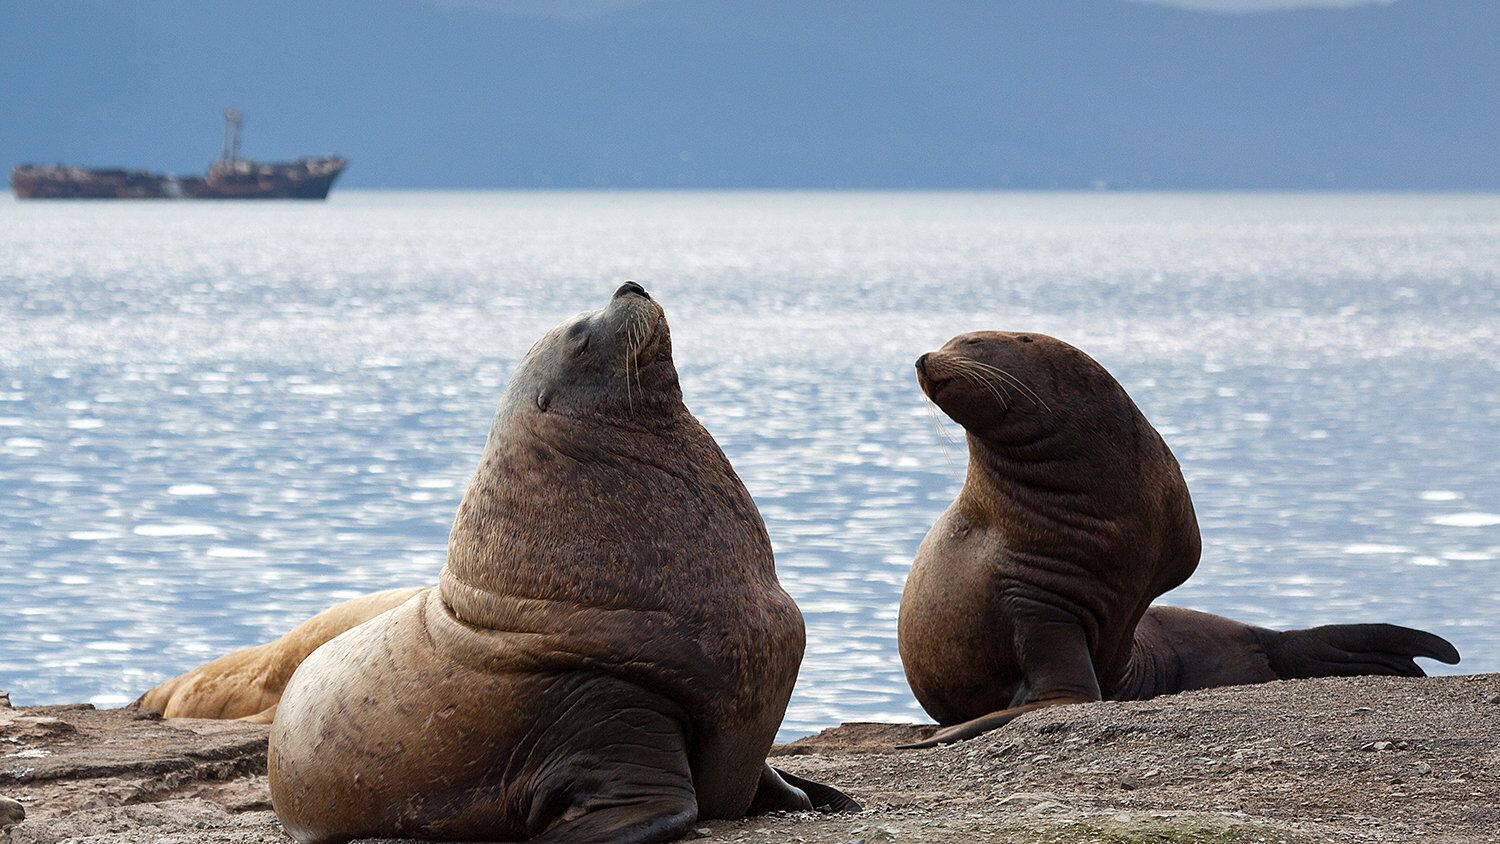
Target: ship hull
82 183
308 178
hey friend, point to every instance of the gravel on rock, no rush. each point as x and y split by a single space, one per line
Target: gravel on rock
1368 759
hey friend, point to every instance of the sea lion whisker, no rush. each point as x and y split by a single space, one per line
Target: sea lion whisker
932 413
632 339
635 336
640 346
632 342
1021 385
979 378
640 337
1001 375
995 388
948 443
640 327
629 357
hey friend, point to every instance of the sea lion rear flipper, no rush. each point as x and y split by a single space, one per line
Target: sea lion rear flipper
1053 654
1353 650
265 716
779 791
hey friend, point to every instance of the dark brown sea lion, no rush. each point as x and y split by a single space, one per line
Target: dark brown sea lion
248 683
608 653
1034 588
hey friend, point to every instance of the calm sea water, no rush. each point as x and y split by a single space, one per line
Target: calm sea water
217 419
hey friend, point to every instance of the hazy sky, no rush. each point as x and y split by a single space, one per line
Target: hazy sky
583 8
771 93
1264 5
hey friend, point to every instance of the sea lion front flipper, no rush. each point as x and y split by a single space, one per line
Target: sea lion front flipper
779 791
620 775
647 821
1052 651
985 723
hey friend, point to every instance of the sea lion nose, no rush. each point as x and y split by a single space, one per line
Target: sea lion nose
631 287
922 364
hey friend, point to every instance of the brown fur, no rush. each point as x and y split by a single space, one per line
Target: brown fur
1034 588
608 654
248 683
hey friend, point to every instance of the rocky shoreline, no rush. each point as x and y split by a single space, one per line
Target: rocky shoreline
1348 759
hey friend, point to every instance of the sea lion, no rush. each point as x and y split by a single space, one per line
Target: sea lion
608 653
1034 588
248 683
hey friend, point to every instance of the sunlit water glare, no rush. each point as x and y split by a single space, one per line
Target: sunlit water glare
217 419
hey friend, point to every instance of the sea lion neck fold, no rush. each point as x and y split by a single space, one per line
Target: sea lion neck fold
1027 503
1039 462
595 416
507 541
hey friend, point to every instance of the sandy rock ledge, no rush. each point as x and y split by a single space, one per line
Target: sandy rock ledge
1356 760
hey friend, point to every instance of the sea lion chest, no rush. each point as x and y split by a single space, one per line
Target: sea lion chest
973 573
950 619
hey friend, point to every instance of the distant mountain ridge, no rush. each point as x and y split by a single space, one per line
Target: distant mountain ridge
772 93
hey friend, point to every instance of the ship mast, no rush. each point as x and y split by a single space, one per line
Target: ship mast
232 120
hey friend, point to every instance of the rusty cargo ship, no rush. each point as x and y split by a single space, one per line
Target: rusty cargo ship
230 177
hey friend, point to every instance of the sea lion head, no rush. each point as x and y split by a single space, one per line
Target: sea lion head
610 365
1009 387
1051 431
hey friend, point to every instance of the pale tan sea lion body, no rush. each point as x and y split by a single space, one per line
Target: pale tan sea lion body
248 683
608 654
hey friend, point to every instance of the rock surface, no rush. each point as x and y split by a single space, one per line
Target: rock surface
1349 759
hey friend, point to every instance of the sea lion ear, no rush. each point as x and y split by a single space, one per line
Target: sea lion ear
543 398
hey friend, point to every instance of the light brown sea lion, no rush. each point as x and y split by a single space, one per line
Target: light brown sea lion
608 654
248 683
1034 588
